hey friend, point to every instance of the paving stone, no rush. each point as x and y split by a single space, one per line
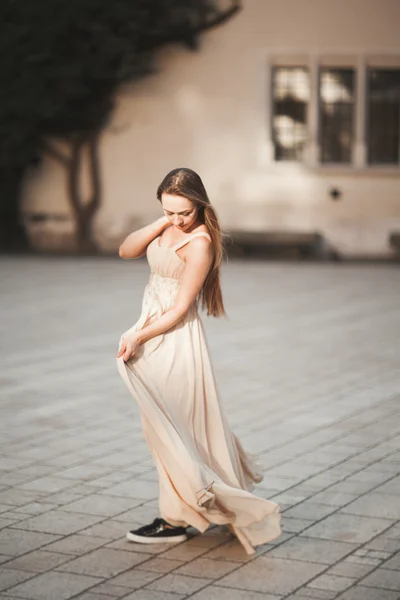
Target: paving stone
294 469
35 508
8 463
109 529
66 497
160 564
379 554
127 546
393 563
103 562
375 477
391 487
349 528
312 550
16 497
178 584
385 542
47 485
4 508
94 596
134 578
117 459
364 560
144 490
49 586
76 544
360 592
386 466
13 516
289 499
310 510
82 472
205 567
375 505
144 513
281 540
212 592
290 525
83 489
153 595
33 471
334 498
37 561
307 592
322 481
97 504
184 552
270 575
393 532
14 542
58 522
106 589
7 522
383 578
352 487
347 568
209 540
332 583
10 577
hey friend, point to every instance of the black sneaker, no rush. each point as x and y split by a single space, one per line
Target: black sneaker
158 532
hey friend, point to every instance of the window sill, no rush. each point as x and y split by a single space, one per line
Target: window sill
374 170
336 169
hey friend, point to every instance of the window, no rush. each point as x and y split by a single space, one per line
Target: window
383 131
291 95
336 88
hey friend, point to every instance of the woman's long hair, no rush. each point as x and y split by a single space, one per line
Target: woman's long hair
185 182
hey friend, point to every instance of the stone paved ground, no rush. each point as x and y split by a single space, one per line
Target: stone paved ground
308 367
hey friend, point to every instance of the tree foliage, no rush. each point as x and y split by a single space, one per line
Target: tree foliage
62 62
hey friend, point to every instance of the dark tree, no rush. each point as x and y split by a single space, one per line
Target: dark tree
61 64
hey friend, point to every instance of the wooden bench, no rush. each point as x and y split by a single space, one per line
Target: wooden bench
256 243
394 241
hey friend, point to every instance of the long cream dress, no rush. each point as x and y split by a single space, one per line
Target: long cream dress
205 476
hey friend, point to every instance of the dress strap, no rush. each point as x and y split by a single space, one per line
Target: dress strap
190 238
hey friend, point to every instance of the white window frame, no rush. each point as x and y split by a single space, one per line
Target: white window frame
313 62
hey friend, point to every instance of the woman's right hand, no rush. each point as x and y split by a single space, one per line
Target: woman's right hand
134 246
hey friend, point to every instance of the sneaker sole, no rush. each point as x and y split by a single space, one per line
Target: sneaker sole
149 540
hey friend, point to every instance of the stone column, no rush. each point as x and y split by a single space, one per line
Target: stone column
360 146
312 150
266 150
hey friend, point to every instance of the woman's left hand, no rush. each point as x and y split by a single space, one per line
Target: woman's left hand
128 345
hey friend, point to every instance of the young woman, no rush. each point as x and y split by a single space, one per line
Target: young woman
205 476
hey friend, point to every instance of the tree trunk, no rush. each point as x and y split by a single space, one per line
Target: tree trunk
83 209
13 236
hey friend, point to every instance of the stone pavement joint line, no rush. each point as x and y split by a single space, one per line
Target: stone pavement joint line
308 372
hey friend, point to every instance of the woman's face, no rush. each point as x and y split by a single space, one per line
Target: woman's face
179 211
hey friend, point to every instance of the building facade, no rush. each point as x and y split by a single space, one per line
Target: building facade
290 112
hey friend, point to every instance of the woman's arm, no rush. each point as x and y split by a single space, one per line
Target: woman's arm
134 246
198 261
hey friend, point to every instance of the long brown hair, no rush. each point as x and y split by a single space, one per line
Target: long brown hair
185 182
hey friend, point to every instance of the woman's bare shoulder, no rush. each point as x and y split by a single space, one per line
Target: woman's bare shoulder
201 229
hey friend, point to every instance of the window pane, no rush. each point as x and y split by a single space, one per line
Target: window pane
291 94
383 116
336 115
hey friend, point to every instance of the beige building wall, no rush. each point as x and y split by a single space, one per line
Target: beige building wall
210 111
